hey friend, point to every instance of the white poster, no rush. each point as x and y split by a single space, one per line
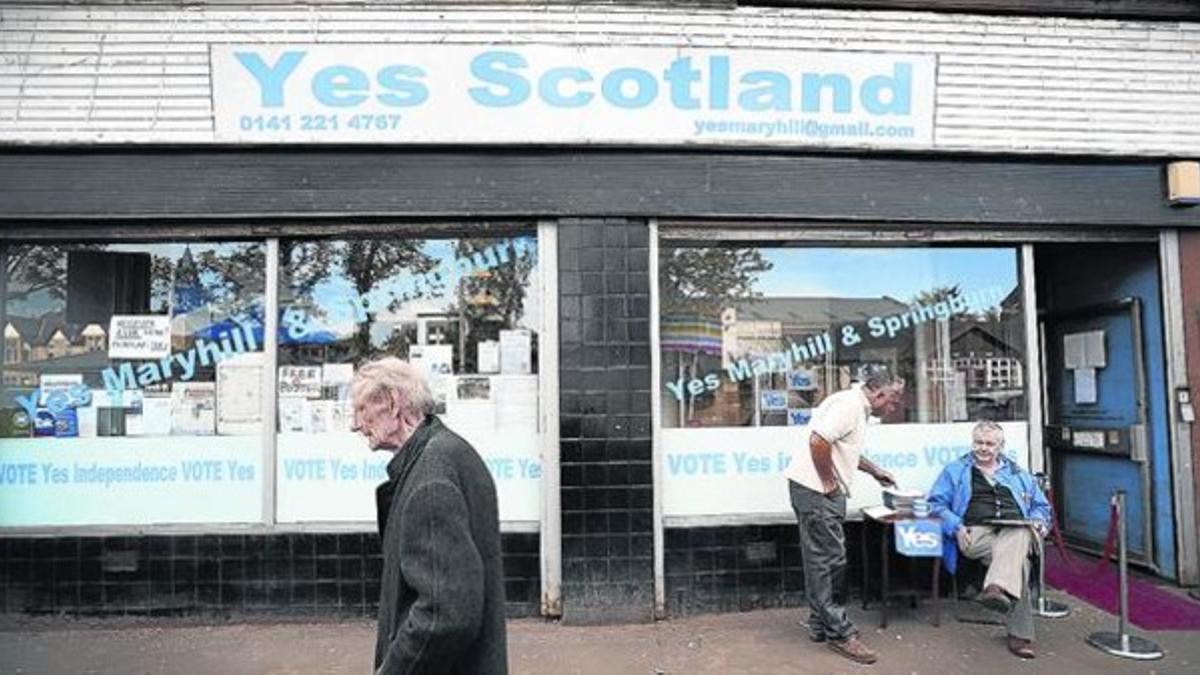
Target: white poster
239 393
139 336
1085 385
433 360
488 356
516 352
51 383
194 408
154 420
302 381
740 471
503 94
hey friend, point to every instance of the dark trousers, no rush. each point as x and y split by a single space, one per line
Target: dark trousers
823 545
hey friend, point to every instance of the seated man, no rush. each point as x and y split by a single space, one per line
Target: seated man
983 486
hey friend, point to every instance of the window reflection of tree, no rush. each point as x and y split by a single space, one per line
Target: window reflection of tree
364 263
700 283
493 297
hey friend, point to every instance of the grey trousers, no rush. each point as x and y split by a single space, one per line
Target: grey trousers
1005 551
823 545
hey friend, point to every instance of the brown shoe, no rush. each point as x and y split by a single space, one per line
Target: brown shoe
853 649
1022 648
995 599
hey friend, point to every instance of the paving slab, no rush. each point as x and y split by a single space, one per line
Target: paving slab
766 641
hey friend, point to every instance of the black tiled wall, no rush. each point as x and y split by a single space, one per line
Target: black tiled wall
742 568
226 574
604 423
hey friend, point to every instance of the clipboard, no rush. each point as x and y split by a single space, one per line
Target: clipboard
1012 522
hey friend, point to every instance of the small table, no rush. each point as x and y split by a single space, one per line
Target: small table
887 522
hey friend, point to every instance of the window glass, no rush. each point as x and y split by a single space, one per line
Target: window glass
752 339
132 383
464 310
765 337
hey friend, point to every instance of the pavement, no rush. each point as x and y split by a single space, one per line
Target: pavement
764 641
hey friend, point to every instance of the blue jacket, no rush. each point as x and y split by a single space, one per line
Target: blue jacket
951 494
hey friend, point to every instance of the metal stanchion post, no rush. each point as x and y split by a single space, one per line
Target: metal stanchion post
1045 607
1122 643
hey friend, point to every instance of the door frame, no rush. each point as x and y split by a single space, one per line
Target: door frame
1187 540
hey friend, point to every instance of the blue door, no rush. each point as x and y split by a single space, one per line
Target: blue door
1106 398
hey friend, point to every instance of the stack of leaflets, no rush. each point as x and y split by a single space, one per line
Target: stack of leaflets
901 501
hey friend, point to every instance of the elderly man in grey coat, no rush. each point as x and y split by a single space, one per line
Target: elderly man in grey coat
441 601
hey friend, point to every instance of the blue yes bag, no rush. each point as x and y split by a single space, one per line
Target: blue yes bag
918 538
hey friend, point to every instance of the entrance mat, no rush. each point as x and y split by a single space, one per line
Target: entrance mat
1150 607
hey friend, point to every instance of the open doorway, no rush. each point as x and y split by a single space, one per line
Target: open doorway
1101 323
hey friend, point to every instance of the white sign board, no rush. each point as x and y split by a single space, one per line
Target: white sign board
740 471
139 336
391 93
127 480
331 477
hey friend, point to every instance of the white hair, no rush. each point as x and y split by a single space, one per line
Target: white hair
383 378
989 428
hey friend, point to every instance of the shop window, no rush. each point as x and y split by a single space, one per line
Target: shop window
131 383
766 339
752 339
464 310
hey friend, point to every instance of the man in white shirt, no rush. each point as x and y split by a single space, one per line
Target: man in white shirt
819 479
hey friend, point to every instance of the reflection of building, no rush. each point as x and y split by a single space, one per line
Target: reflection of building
34 342
767 329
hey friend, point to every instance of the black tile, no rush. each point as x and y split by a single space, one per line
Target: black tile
43 549
184 570
254 595
304 569
20 548
572 523
592 283
328 594
350 568
278 593
159 547
372 568
232 595
350 593
232 570
327 569
277 568
233 545
570 426
593 331
66 570
183 547
570 308
304 593
208 571
66 547
278 546
303 545
159 570
208 546
208 594
591 260
572 475
592 236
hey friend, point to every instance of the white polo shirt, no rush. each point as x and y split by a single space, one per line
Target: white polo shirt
840 419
